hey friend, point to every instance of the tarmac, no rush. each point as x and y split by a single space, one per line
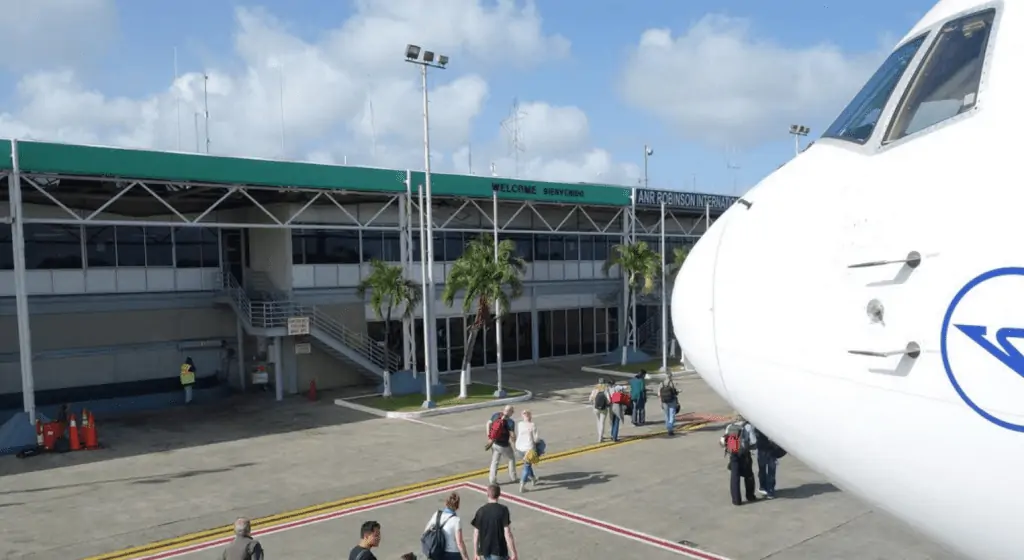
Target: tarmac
168 485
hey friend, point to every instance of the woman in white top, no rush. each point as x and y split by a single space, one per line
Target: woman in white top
527 439
451 524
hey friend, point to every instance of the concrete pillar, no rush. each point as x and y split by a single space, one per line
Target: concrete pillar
275 351
28 391
270 250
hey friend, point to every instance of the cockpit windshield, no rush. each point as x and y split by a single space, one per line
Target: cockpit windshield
858 120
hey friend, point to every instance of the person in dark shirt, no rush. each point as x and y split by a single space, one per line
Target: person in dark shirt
492 529
369 537
502 448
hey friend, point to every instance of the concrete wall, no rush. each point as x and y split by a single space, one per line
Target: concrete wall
270 250
329 372
82 349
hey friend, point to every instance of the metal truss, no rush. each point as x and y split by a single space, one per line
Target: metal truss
171 196
472 207
655 227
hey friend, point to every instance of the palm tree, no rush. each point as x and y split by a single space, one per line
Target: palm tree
487 283
678 258
389 289
641 266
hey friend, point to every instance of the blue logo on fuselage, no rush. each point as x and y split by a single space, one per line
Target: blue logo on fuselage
1005 352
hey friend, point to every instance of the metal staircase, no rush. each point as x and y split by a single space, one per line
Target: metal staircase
268 316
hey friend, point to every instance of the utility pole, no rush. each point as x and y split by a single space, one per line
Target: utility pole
206 109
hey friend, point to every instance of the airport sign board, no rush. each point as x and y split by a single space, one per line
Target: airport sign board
677 200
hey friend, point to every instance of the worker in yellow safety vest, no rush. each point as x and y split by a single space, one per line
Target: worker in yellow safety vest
188 378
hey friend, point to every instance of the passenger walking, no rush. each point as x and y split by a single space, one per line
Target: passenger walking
244 547
529 446
188 378
638 394
619 400
369 538
451 531
601 398
669 396
492 529
500 434
738 440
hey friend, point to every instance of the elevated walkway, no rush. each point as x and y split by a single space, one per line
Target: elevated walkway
268 317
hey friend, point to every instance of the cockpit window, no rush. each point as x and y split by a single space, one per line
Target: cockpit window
947 82
858 120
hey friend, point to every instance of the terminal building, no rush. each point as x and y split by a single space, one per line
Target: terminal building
120 263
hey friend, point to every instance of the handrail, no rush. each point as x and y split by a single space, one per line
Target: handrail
275 314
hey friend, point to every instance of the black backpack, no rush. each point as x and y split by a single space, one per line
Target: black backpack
601 400
667 394
433 539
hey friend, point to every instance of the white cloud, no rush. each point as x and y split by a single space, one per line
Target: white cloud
350 95
719 85
38 33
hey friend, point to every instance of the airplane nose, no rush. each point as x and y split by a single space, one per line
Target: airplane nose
693 308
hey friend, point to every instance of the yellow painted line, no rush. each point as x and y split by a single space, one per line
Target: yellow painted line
271 521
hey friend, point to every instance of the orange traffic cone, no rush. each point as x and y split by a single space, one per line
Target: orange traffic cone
312 390
91 439
39 432
73 435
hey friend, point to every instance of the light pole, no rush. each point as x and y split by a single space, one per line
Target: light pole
279 66
500 392
798 130
648 152
415 55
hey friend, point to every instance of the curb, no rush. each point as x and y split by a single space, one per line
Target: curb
440 411
650 375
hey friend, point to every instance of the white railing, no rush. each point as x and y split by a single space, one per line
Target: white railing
275 314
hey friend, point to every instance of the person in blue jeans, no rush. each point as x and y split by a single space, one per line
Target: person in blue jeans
669 396
638 394
768 453
618 409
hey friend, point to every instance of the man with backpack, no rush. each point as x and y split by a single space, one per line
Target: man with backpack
768 455
620 404
738 440
638 394
669 396
500 435
601 399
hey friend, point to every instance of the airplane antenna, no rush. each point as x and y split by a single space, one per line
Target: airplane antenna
511 126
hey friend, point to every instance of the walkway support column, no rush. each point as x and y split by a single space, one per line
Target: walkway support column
28 387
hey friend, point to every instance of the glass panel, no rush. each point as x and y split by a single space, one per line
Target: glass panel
50 246
418 335
540 248
298 244
372 246
587 331
572 335
572 247
587 247
600 248
439 254
6 249
600 330
442 345
947 82
556 248
613 328
509 345
210 247
525 336
857 121
341 247
490 344
524 246
544 331
457 339
188 247
159 246
416 253
453 242
391 246
99 247
558 342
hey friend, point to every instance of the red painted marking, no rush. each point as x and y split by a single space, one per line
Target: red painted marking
189 549
607 527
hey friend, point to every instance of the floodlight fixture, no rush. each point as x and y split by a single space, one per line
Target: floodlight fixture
649 150
428 56
799 130
412 52
442 59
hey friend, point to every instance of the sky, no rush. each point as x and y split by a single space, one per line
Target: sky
561 90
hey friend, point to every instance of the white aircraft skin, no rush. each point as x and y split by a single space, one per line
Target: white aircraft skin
768 310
